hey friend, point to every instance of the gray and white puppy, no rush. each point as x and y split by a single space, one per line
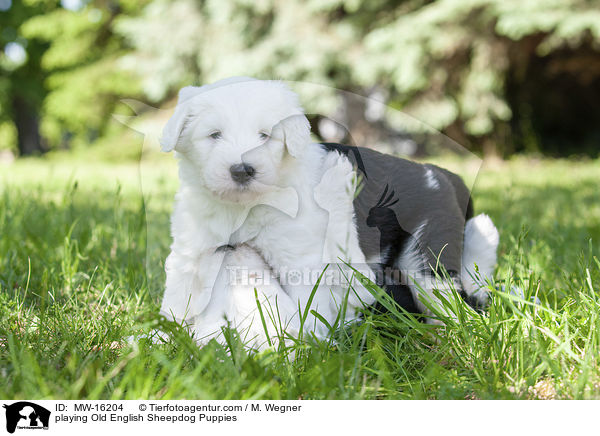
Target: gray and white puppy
415 220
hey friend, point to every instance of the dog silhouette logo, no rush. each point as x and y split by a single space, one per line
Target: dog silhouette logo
26 415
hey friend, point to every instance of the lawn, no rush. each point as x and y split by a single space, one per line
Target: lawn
81 268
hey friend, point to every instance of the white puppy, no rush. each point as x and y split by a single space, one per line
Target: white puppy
255 193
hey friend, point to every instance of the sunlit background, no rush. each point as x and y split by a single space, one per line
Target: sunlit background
497 76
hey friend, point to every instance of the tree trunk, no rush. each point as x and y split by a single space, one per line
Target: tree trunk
27 123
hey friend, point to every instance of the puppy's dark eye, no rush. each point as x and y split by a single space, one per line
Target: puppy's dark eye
215 135
263 136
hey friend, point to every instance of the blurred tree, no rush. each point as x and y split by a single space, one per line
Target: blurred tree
497 75
84 80
484 70
22 90
60 76
186 42
465 67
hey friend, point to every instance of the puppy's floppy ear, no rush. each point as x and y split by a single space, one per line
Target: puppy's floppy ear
294 131
174 127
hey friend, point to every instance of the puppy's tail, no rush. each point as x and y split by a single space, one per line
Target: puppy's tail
480 244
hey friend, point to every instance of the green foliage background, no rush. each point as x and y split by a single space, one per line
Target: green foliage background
495 75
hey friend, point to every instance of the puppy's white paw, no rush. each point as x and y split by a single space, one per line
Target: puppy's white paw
480 298
338 184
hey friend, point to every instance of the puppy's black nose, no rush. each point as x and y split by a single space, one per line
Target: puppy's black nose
241 173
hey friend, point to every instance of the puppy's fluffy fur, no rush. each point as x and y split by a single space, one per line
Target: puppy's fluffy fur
281 216
293 213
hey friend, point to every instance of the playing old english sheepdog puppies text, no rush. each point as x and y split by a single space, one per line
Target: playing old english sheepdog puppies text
262 210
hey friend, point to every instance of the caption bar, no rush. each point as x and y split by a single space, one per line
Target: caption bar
91 418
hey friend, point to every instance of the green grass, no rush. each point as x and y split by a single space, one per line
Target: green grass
81 268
